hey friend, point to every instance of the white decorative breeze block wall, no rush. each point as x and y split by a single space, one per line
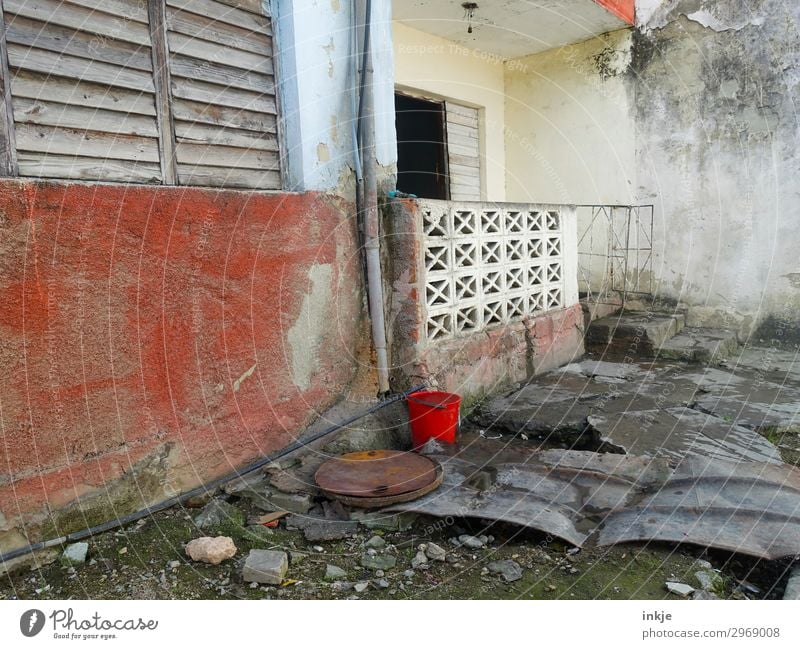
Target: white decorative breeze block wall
491 264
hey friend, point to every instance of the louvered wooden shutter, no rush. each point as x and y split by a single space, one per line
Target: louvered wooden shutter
92 99
223 91
463 151
82 89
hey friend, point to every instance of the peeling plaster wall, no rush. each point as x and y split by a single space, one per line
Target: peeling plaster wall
155 337
717 152
443 69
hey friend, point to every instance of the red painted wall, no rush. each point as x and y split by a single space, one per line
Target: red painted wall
129 313
625 9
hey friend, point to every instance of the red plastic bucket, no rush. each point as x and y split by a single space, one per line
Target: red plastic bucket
434 415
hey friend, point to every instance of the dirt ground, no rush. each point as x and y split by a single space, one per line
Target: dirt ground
147 561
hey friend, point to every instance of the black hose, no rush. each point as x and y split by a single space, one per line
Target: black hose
204 488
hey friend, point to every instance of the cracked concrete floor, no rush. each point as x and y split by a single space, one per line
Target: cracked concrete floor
747 408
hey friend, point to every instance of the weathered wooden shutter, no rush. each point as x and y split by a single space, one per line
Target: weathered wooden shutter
223 91
92 99
463 152
82 89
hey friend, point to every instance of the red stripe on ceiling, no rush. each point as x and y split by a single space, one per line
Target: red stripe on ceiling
624 9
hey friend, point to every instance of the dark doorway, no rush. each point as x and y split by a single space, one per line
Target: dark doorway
421 150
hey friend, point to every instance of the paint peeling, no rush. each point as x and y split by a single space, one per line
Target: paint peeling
705 18
323 154
238 382
657 14
308 331
794 279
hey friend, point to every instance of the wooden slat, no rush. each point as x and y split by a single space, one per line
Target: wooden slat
466 161
223 116
192 133
463 171
33 111
458 109
80 168
36 60
458 132
223 13
34 33
213 94
33 85
224 156
223 177
224 75
126 9
253 6
461 150
213 53
68 15
163 95
462 120
8 145
208 29
49 139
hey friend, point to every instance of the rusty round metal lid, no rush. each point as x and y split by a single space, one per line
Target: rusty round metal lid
376 473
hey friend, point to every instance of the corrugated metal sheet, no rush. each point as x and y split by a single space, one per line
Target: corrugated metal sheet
599 499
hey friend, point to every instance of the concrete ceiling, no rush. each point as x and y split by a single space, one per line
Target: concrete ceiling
510 28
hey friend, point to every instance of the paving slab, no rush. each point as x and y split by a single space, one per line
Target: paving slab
743 395
675 433
770 363
563 399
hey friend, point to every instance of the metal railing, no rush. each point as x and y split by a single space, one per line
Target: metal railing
615 252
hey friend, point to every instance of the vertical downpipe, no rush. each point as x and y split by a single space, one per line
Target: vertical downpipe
368 210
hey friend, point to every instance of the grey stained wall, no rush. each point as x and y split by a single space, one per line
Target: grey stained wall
715 89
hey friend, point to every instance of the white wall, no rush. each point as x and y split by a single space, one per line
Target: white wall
442 69
570 137
316 90
569 131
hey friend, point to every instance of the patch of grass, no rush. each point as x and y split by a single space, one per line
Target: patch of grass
787 441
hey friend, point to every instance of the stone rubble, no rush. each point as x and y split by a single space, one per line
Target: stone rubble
334 573
265 567
792 591
376 543
419 560
677 588
75 554
472 542
219 513
211 549
508 569
435 552
378 562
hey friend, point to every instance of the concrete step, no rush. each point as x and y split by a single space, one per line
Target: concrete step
598 307
696 345
638 335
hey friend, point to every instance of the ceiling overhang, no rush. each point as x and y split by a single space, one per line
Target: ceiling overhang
515 28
